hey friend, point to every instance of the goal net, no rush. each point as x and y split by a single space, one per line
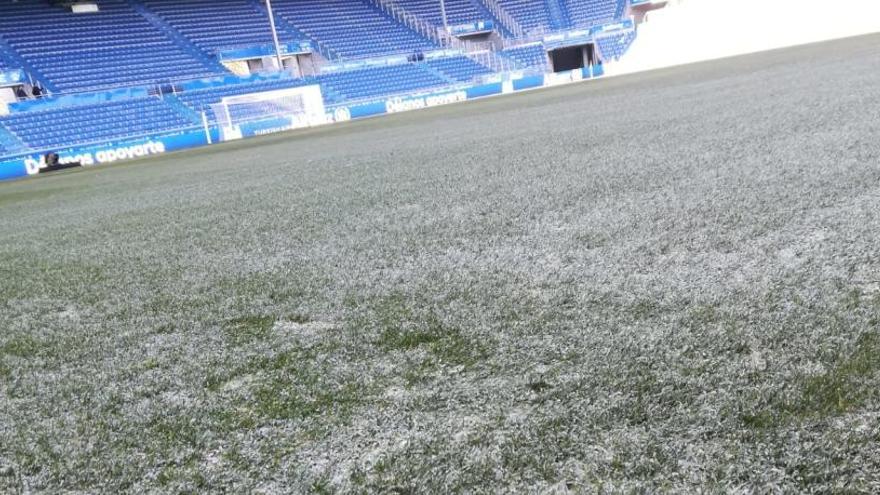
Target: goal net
269 111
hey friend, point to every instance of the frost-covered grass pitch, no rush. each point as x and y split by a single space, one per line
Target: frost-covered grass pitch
668 281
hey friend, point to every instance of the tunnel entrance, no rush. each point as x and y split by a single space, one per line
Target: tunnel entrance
573 57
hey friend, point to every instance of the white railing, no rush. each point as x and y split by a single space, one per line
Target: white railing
502 15
412 21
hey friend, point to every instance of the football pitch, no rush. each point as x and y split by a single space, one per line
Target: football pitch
661 282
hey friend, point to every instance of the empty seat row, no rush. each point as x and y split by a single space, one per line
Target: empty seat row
351 28
214 25
528 56
592 12
615 46
61 127
532 15
457 11
78 52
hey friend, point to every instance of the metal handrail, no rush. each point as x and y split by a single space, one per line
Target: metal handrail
498 11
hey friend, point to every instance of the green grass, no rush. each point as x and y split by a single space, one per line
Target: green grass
21 346
247 328
846 386
658 283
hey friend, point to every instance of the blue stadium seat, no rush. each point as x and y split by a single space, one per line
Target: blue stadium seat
593 12
532 15
528 56
59 127
459 69
214 25
79 52
381 81
613 47
457 11
351 28
138 43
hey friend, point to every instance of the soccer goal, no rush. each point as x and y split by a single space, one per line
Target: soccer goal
269 111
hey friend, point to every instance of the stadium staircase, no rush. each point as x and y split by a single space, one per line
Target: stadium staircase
282 26
433 70
194 117
353 29
172 34
458 12
590 12
9 142
509 22
559 17
531 15
407 18
14 60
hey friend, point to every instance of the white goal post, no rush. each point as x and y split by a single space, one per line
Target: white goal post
269 111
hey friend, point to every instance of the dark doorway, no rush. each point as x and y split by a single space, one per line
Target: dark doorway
572 57
569 58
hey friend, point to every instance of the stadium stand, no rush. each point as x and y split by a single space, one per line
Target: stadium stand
114 47
213 25
613 47
153 45
457 11
558 13
531 55
62 126
592 12
532 15
351 28
459 69
379 81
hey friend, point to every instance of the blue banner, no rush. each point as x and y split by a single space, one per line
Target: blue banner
585 36
528 82
12 169
126 149
259 51
484 90
624 25
472 28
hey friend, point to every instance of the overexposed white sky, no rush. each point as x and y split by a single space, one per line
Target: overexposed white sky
695 30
